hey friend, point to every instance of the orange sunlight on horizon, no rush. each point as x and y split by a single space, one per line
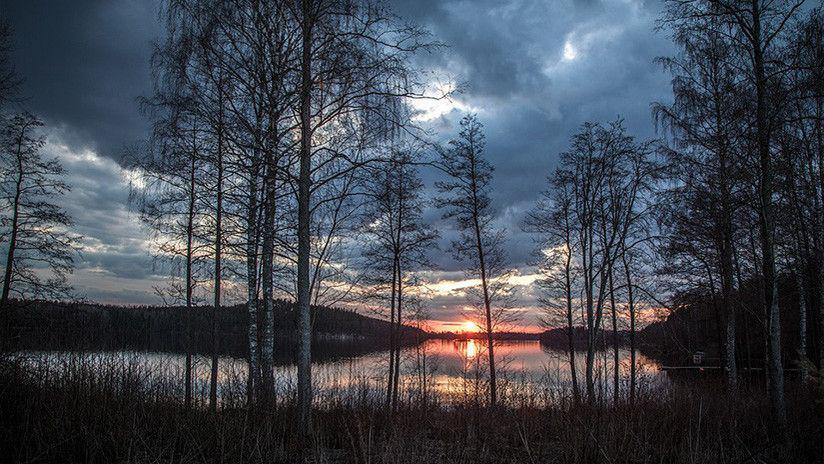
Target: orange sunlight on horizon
644 316
467 326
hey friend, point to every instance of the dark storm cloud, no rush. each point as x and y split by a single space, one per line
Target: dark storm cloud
84 63
534 71
510 56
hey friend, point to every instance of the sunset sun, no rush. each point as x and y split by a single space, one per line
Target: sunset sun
470 327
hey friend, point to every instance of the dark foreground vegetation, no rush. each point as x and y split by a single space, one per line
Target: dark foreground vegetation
114 413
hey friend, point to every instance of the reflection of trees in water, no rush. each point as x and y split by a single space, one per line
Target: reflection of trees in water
455 370
322 350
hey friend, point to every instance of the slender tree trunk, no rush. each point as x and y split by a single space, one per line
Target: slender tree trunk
593 309
399 340
304 188
727 263
570 327
493 384
819 225
801 260
11 250
392 329
746 314
616 361
399 321
729 340
12 244
251 287
218 253
776 370
190 223
592 330
631 303
802 318
267 350
820 275
18 185
598 312
719 327
424 383
7 277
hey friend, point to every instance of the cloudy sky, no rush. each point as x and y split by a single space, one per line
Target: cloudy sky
533 71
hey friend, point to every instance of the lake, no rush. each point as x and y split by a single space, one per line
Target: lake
447 371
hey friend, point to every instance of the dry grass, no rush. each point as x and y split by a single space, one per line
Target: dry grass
115 412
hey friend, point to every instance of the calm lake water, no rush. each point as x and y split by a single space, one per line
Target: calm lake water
448 370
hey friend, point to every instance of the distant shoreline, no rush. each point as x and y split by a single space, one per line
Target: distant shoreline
90 326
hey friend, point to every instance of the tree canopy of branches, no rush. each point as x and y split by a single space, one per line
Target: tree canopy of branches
595 215
267 115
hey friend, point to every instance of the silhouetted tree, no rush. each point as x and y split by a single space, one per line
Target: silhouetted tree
552 220
465 196
398 242
801 166
597 211
706 120
40 248
354 76
759 28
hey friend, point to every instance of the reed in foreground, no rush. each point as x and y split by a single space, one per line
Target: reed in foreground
117 413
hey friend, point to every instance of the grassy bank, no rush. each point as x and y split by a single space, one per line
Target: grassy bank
118 413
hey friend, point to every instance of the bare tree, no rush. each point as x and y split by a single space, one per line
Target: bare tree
397 246
465 196
757 28
39 247
594 214
801 171
167 196
552 220
707 122
354 74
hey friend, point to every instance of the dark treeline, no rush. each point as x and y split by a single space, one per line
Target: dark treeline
696 325
45 325
501 335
